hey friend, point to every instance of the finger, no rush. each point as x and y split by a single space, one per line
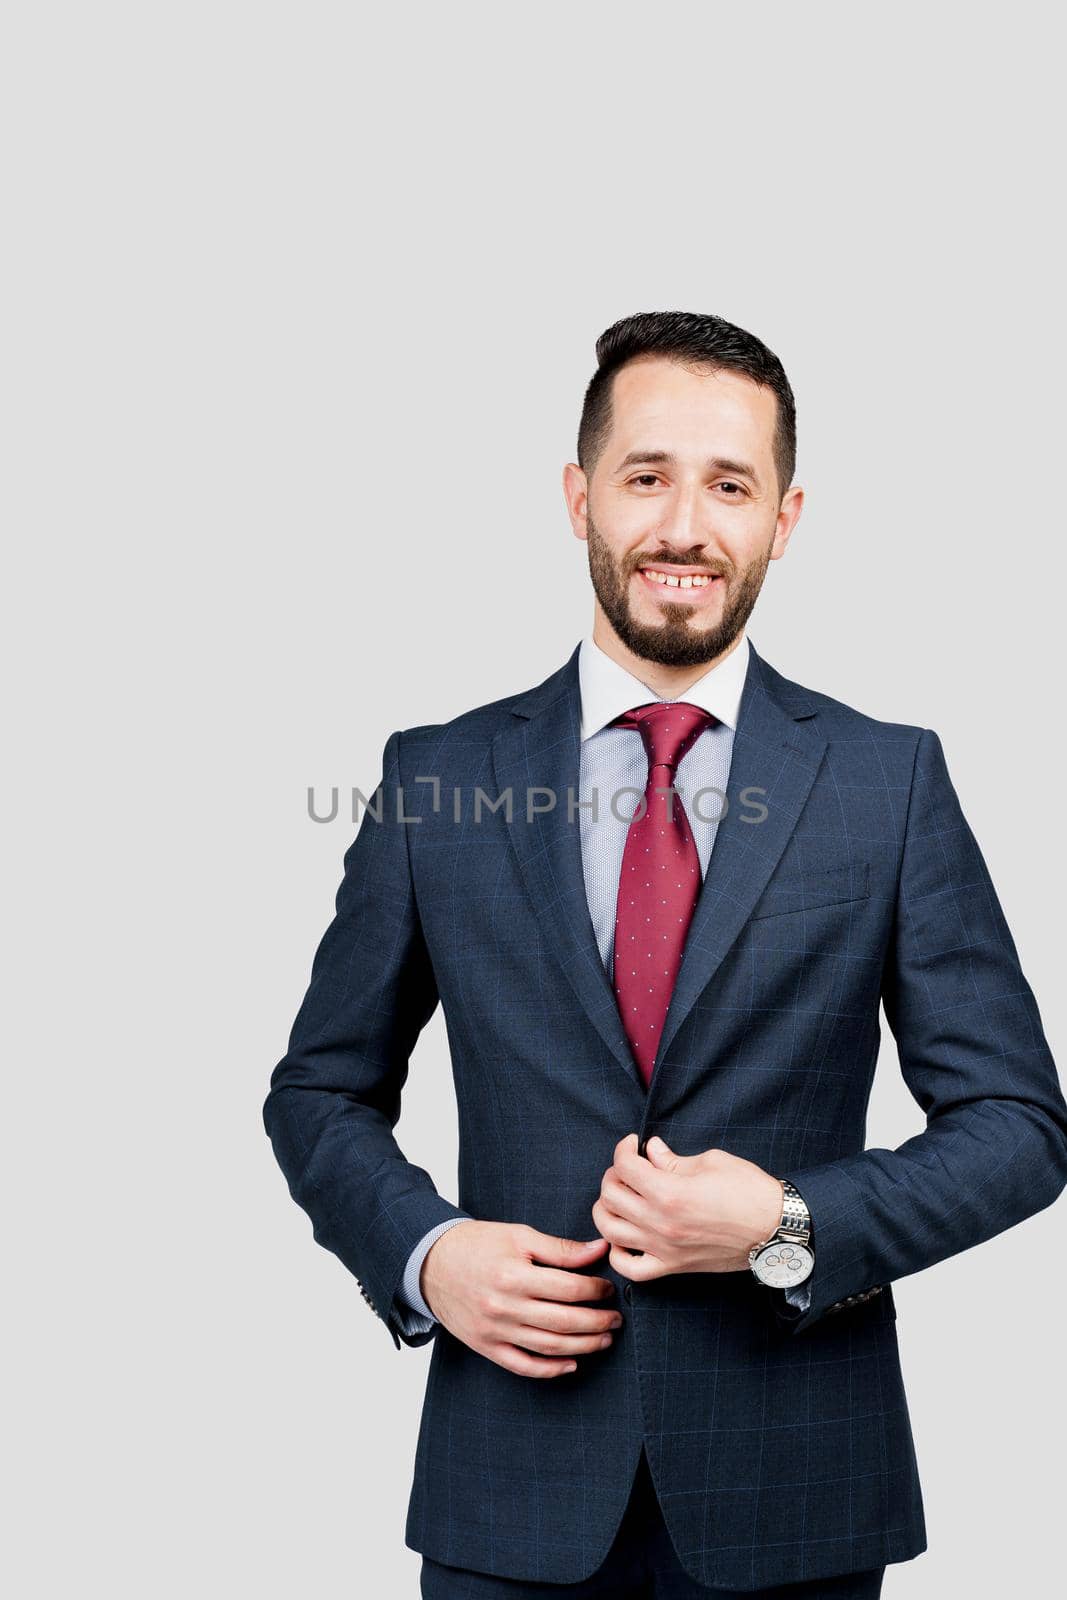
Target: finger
551 1317
557 1251
619 1230
641 1175
561 1345
638 1268
547 1283
622 1200
528 1366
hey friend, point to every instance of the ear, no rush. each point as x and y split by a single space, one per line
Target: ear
576 494
788 516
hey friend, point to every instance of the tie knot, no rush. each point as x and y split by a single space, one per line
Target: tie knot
668 727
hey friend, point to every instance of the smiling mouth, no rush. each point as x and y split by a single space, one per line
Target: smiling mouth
672 583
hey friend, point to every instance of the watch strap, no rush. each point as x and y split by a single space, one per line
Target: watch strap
796 1219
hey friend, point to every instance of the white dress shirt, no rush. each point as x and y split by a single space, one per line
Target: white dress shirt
613 764
614 768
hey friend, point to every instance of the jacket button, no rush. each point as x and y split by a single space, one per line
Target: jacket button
628 1292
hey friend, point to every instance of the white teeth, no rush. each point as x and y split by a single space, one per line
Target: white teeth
688 582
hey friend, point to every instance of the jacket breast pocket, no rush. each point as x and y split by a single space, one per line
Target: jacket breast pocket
807 891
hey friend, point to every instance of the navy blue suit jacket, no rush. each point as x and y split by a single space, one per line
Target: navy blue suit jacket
843 875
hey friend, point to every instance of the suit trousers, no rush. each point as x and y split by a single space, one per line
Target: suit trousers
642 1564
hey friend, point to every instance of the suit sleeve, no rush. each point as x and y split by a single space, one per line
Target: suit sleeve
974 1056
334 1097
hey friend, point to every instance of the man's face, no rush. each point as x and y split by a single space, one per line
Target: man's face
684 486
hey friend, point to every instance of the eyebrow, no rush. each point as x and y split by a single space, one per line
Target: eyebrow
664 458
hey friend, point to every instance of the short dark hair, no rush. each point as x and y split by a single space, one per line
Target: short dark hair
691 340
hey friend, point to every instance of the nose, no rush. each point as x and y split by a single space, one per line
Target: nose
682 528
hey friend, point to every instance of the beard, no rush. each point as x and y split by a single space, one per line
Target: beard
672 642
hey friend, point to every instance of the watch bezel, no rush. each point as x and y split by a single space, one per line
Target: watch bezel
759 1251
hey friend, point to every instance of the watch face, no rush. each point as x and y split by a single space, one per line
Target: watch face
781 1265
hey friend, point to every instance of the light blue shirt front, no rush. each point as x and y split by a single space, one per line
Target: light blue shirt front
613 770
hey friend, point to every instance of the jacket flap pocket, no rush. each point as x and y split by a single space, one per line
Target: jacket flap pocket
805 891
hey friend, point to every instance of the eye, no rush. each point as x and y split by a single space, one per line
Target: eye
737 488
647 480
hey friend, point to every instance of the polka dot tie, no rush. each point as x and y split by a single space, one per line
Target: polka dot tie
660 878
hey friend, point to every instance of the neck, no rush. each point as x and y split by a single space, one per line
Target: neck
668 682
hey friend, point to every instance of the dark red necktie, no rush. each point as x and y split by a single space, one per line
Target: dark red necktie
660 878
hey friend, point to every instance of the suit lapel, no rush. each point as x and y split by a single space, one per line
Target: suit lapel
541 749
776 754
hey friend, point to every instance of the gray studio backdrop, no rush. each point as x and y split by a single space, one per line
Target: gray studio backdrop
300 307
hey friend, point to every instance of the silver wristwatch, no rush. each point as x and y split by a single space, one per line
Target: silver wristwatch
787 1257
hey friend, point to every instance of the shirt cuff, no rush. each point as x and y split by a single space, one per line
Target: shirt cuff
409 1287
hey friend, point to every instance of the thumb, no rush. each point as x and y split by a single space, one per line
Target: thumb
661 1155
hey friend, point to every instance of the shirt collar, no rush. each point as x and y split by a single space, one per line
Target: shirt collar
607 689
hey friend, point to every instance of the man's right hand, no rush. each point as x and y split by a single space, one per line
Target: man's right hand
481 1280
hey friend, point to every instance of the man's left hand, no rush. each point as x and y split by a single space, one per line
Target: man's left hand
699 1213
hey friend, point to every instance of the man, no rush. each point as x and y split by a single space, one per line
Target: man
660 898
